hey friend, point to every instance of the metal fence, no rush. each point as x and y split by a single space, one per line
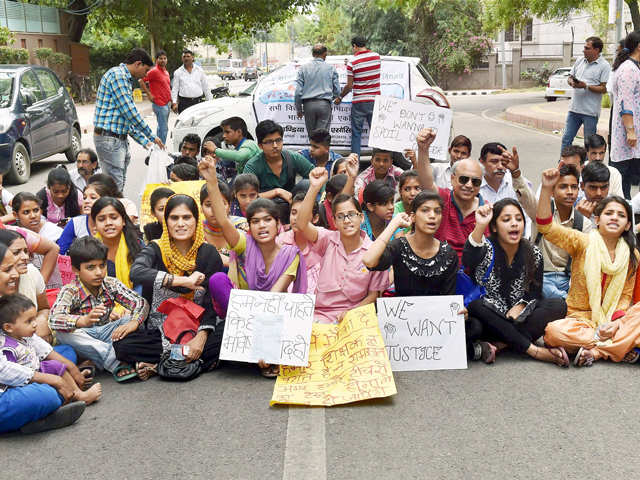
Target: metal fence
25 17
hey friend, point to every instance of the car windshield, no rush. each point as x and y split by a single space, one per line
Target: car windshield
425 74
562 71
248 91
6 88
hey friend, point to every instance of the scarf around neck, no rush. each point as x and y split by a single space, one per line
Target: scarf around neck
121 261
598 261
177 263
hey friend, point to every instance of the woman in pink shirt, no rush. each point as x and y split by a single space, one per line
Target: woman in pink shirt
344 283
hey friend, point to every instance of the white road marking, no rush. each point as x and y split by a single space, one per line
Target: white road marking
305 454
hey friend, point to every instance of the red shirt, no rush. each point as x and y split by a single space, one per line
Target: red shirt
365 70
454 229
160 85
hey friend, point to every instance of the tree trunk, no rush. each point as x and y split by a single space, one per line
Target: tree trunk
77 23
635 13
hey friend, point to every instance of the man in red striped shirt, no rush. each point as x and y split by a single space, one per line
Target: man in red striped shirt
363 78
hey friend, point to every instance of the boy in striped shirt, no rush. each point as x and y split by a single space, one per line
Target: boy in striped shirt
363 78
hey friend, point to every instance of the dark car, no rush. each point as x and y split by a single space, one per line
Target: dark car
37 119
250 73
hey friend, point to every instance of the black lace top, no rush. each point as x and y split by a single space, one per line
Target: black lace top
414 275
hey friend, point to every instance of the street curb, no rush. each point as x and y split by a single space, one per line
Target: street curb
468 92
552 126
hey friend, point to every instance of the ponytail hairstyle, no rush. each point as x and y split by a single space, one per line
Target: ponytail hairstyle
627 235
128 229
630 44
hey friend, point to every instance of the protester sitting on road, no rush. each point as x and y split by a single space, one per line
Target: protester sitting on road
39 245
319 152
594 187
276 168
113 191
28 213
459 150
157 200
257 262
339 167
557 263
6 199
184 172
178 265
189 146
510 269
343 281
602 280
82 314
408 188
34 379
212 229
86 166
60 199
596 147
461 202
333 187
240 149
246 189
381 168
116 231
377 209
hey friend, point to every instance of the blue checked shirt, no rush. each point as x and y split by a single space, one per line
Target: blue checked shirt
115 110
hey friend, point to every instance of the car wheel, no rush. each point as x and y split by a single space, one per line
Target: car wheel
20 168
551 99
74 148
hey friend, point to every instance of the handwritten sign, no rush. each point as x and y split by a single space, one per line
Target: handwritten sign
64 267
347 363
274 327
396 124
423 333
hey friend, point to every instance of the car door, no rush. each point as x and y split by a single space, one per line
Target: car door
37 115
55 101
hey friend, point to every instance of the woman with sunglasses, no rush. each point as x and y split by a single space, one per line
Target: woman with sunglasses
344 283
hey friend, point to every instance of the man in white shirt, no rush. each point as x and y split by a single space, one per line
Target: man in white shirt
596 150
459 150
189 84
86 165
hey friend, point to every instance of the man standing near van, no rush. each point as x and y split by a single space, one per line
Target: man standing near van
316 86
363 77
189 84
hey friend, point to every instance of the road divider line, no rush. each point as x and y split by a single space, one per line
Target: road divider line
305 454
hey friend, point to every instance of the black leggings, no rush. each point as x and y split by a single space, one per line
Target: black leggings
518 336
146 346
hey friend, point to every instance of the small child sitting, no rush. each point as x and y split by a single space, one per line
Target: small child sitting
20 344
246 188
319 152
183 172
157 200
83 314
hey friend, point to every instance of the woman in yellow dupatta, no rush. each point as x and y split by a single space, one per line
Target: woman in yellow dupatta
115 229
603 269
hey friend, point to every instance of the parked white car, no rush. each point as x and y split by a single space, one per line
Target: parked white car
558 85
215 81
272 97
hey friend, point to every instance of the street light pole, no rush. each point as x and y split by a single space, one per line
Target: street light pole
619 12
504 61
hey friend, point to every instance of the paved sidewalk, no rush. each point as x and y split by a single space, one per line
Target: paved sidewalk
85 114
551 116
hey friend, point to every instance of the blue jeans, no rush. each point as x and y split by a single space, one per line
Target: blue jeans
359 111
114 157
555 285
95 343
574 121
162 116
22 405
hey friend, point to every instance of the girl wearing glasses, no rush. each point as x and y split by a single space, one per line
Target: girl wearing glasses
256 261
510 268
344 282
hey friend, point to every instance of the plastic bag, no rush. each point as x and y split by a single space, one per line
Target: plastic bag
159 160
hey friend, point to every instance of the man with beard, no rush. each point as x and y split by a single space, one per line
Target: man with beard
86 165
159 92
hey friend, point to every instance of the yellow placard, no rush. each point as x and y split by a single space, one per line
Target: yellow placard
347 363
137 95
191 188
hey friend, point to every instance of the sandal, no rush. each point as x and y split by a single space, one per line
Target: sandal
584 358
88 369
127 376
145 371
271 371
488 354
560 356
632 357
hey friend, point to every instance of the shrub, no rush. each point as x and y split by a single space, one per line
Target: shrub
540 74
43 55
10 55
6 37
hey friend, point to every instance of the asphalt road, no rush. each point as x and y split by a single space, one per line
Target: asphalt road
515 419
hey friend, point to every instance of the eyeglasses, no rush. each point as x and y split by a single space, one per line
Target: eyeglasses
275 141
464 179
341 217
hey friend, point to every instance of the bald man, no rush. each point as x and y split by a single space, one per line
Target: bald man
460 202
316 87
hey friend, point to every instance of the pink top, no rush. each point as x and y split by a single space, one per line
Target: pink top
311 257
344 281
55 213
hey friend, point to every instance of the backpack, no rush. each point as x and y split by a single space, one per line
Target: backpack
578 223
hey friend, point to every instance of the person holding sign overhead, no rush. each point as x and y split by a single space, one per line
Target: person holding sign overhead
344 282
256 261
510 269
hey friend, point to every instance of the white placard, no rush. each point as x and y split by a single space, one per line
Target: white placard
423 333
396 124
273 99
274 327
